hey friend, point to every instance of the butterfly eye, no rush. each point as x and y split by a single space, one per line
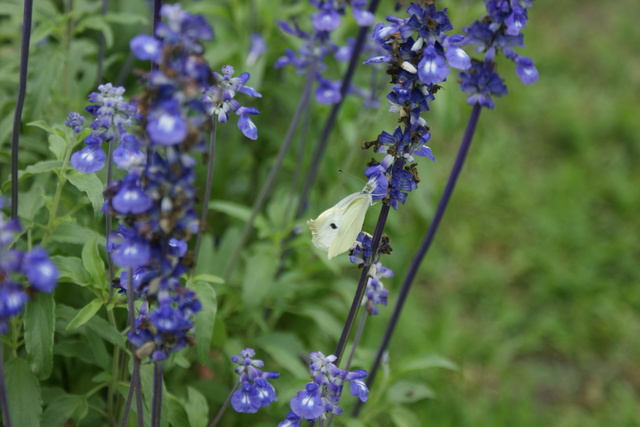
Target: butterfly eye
333 226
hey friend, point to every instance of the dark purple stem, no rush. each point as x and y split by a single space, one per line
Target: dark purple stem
22 89
101 43
424 248
362 285
310 178
156 411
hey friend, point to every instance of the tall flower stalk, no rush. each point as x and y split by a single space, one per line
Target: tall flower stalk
498 32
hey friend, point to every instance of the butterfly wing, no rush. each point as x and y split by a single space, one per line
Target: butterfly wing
325 228
349 224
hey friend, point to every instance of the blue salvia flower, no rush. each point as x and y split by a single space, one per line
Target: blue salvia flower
255 390
419 54
40 272
257 49
155 200
74 121
375 293
219 100
500 32
320 397
113 115
317 45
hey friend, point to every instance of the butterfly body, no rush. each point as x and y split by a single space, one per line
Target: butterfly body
337 228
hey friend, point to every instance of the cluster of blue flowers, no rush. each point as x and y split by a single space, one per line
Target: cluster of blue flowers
362 253
317 45
113 115
320 397
500 31
41 273
219 100
416 66
255 390
156 200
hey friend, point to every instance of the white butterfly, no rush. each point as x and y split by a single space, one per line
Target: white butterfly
337 228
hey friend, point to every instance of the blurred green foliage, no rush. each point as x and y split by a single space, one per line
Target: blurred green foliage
531 288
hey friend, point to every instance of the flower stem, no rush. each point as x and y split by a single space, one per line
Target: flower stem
207 193
270 180
62 180
4 403
214 422
331 120
362 284
22 89
101 43
157 395
135 384
426 244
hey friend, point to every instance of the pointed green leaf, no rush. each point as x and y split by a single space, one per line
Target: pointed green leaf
89 184
409 392
71 270
205 318
39 327
23 390
177 413
66 407
93 263
197 408
85 314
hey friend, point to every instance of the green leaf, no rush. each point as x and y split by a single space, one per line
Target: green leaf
31 202
93 263
99 24
39 327
126 18
85 314
209 278
68 232
42 125
63 408
427 362
105 331
23 390
197 408
403 417
99 351
258 277
90 184
205 318
72 270
177 413
238 211
58 146
285 348
35 169
408 392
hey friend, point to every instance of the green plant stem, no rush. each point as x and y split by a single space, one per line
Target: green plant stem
207 192
22 90
4 402
270 180
62 180
214 422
